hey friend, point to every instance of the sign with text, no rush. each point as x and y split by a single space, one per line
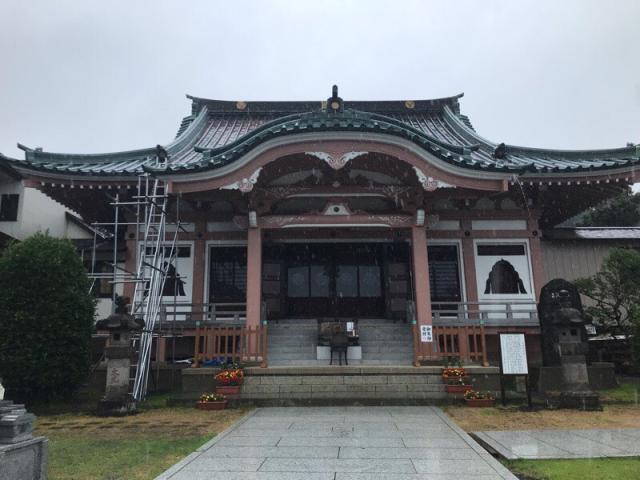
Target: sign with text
514 354
426 333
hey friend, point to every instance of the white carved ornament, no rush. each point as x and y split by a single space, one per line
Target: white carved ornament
429 183
334 161
246 184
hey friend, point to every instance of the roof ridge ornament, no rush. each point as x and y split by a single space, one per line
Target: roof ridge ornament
334 102
500 152
161 156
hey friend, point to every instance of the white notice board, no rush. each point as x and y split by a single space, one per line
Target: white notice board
514 354
426 333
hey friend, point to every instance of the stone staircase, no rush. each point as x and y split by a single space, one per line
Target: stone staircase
385 342
293 342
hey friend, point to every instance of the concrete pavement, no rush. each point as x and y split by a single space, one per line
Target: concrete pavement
341 443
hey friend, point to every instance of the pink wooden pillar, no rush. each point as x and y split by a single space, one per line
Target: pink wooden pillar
161 349
254 276
199 273
536 257
469 259
421 285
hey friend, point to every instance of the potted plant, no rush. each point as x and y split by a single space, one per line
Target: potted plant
457 385
474 398
229 379
453 373
212 401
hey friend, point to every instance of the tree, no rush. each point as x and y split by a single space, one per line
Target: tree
46 319
615 291
622 211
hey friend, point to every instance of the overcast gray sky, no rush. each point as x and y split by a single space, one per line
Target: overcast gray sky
92 76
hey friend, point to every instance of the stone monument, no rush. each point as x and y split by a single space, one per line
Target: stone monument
119 354
564 378
22 456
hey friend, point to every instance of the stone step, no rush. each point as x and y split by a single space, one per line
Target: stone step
384 335
290 343
390 344
389 338
385 352
292 331
291 356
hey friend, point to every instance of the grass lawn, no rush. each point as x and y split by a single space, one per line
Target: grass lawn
627 392
590 469
512 418
136 447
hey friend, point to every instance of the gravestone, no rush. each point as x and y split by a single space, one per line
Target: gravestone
564 377
22 456
119 354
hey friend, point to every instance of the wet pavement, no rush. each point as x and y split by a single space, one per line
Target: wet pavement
341 443
544 444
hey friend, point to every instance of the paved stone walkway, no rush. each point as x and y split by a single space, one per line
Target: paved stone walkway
539 444
341 443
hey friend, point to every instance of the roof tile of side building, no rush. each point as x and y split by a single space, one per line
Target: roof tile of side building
219 132
593 233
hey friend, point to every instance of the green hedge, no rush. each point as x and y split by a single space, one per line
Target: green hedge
46 319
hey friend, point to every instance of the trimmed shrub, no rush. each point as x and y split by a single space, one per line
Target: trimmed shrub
46 319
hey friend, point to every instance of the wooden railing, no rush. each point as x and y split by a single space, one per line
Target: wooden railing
465 343
210 313
230 344
459 328
522 313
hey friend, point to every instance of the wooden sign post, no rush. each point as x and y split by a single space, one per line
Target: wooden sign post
513 361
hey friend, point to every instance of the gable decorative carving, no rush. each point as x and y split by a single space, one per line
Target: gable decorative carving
336 160
244 185
429 183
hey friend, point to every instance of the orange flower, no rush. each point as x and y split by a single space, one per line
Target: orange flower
230 377
453 372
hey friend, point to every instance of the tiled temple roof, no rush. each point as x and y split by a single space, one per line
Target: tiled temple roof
219 132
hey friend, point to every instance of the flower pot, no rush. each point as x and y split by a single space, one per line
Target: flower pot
480 402
228 389
458 388
211 405
446 378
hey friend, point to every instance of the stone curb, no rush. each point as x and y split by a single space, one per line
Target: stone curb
167 474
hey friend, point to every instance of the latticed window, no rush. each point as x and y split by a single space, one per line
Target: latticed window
228 274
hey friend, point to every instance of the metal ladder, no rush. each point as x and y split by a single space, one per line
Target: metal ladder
155 257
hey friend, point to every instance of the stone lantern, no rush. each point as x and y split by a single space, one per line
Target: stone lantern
120 355
564 377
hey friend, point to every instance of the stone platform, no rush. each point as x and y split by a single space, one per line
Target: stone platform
340 385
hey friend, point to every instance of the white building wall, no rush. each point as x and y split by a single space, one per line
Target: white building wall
572 259
38 213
